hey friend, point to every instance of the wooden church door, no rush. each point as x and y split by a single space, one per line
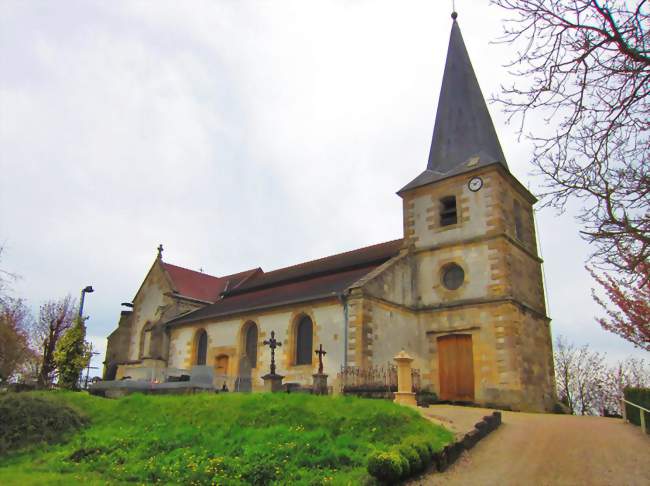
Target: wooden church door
456 367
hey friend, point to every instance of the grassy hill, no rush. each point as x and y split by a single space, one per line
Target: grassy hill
217 439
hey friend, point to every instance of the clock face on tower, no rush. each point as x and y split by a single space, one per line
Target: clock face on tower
475 183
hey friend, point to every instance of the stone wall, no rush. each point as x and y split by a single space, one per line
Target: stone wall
226 338
117 346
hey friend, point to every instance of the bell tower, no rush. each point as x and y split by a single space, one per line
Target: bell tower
468 224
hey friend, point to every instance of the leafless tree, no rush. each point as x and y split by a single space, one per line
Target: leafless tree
587 385
15 320
55 317
579 377
5 278
631 372
583 69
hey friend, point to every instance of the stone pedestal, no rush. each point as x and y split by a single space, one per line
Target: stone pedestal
320 384
272 382
404 395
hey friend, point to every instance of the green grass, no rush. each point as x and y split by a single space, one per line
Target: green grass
220 439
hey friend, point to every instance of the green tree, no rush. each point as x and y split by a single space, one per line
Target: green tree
72 355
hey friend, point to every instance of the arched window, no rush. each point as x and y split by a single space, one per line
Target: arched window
304 341
251 344
201 348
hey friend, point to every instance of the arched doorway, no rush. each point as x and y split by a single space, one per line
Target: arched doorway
456 367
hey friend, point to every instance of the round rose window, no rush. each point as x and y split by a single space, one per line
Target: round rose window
453 276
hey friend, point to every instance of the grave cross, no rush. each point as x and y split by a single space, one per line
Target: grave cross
272 343
320 354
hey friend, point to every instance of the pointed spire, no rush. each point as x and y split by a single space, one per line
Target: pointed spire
464 137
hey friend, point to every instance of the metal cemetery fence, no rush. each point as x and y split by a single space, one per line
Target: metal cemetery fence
376 381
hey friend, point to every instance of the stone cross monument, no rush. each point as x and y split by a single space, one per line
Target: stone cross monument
272 381
320 378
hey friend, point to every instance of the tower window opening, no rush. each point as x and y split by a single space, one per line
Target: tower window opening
519 230
448 213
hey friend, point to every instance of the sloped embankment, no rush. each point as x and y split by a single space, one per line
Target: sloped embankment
225 439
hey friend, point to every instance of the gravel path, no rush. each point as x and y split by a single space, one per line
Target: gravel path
544 449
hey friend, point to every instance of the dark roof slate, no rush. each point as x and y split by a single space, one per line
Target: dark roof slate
356 258
317 279
464 137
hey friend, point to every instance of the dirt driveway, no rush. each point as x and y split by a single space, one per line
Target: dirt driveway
541 449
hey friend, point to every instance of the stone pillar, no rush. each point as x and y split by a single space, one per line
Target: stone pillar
272 382
404 395
320 384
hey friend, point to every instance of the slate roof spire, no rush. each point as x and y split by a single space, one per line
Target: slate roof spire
464 137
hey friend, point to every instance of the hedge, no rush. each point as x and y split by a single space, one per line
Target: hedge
27 420
640 396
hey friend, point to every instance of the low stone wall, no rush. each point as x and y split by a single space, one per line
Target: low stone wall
452 452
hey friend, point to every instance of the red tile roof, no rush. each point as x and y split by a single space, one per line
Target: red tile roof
202 286
317 279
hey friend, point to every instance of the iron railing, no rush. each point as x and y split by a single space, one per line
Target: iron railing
641 413
373 378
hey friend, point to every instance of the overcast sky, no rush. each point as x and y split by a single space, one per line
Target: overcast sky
238 134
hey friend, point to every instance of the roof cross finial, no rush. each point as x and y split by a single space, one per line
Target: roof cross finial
160 250
454 14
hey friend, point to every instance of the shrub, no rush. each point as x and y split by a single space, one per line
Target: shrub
27 419
387 466
640 396
426 397
411 454
561 408
423 449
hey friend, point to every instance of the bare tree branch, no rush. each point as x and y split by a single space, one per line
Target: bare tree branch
585 70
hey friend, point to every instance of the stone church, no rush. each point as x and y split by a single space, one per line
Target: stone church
461 291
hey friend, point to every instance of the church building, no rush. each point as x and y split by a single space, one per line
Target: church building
461 291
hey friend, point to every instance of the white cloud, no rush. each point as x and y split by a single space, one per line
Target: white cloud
238 134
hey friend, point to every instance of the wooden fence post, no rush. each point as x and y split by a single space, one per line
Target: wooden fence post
642 415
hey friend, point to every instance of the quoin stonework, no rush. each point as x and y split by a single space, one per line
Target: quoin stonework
461 291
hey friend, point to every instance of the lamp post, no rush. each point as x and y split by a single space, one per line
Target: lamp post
89 289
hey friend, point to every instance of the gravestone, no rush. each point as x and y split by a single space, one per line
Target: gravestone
244 382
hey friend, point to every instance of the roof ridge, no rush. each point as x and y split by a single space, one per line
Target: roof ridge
190 270
332 256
